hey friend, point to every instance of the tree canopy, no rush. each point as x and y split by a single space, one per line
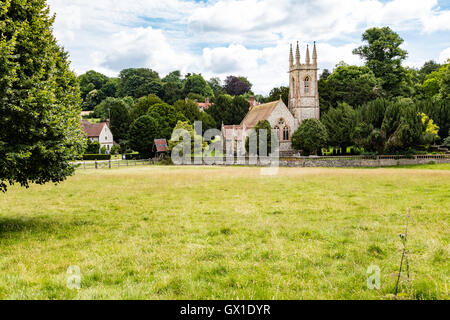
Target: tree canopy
40 128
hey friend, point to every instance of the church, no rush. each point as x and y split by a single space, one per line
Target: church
303 104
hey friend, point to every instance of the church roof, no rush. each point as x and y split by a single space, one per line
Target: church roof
259 113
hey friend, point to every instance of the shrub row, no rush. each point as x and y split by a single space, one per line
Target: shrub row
97 157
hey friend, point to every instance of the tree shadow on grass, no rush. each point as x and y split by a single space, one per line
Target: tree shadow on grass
12 227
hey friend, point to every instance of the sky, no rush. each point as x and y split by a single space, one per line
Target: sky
240 37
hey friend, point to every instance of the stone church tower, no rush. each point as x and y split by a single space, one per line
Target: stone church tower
304 92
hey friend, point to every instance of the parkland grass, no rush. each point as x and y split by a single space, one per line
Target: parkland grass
227 233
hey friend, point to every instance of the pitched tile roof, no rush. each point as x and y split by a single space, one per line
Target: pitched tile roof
93 130
258 113
161 145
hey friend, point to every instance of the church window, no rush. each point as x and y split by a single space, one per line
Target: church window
307 84
286 133
277 130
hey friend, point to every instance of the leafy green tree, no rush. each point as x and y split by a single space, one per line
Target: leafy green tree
310 137
189 109
384 57
167 117
109 89
275 94
172 92
262 131
173 77
142 105
340 123
427 68
352 85
216 86
92 99
93 147
229 110
446 142
196 84
219 109
143 131
91 80
402 127
40 128
185 125
139 82
103 110
120 120
238 111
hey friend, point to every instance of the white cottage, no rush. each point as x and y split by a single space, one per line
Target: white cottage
99 132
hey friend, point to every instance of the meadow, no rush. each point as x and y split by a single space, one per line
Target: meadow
157 232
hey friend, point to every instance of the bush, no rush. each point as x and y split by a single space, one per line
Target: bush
310 137
88 157
132 156
446 142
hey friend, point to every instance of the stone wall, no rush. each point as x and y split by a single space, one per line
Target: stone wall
352 161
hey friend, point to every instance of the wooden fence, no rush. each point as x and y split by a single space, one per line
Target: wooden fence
109 164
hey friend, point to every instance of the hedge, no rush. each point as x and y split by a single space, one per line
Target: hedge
132 156
97 157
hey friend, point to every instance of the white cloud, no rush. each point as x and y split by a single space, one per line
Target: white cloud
246 37
444 56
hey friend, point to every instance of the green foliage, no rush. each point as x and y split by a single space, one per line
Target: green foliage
384 56
216 86
103 110
256 134
93 147
139 82
185 125
446 142
196 84
40 128
115 149
142 105
276 93
172 92
167 117
91 80
229 110
120 120
91 157
310 137
340 123
142 134
392 126
350 84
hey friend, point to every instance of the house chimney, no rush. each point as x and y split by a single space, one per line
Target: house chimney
252 101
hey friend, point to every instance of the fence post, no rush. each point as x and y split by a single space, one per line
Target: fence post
84 165
109 163
95 164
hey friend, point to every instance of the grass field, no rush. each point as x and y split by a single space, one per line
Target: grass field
227 233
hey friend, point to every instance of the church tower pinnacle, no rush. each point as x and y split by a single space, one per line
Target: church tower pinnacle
303 87
308 60
314 54
291 58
